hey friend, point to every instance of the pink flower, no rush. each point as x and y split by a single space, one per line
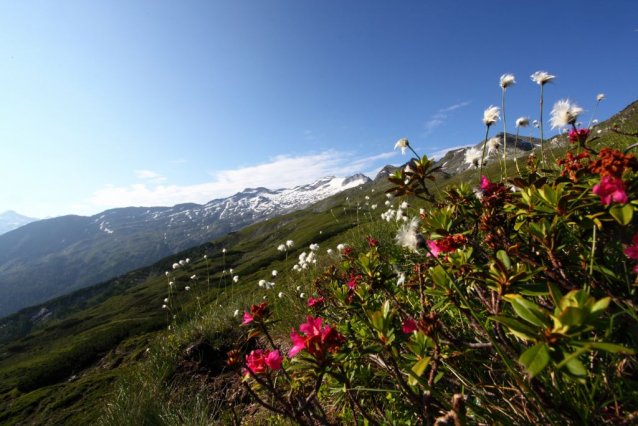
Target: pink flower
273 360
579 136
434 248
611 189
312 302
255 362
352 284
298 343
317 341
632 250
247 318
485 183
409 326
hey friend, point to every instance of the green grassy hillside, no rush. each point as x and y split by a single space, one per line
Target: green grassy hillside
65 370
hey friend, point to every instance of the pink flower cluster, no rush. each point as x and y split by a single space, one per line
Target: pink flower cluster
578 136
316 340
632 251
257 361
611 189
315 303
409 326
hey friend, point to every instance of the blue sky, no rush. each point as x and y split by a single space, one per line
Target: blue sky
113 103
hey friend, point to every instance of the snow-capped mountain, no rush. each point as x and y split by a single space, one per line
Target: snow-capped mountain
52 257
11 220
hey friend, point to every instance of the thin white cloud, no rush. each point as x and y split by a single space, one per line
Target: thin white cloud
283 171
442 114
150 176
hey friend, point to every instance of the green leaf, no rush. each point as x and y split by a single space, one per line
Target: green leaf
535 359
530 312
556 294
503 257
521 330
622 214
571 316
418 370
607 347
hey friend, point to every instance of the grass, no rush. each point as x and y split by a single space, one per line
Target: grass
94 348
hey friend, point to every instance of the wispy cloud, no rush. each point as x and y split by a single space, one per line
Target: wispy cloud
442 114
283 171
149 176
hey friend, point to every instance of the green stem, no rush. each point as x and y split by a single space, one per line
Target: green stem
516 153
504 139
541 126
593 114
487 131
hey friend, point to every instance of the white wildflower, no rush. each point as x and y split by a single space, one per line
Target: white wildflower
164 307
329 251
223 250
175 265
187 288
171 283
167 273
182 263
493 144
507 80
314 247
403 144
522 122
274 273
367 198
236 312
236 278
408 236
374 206
340 247
282 247
302 295
166 300
262 283
473 157
600 97
401 279
388 203
298 288
594 122
564 113
404 205
188 260
193 277
281 294
542 78
491 115
290 243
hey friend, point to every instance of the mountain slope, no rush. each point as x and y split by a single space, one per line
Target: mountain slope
11 220
52 257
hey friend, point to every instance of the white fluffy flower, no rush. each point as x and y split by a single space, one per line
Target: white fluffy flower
166 300
491 115
473 157
236 278
193 277
298 288
274 273
564 113
171 283
187 288
329 251
374 206
595 121
182 263
404 205
188 260
175 265
282 247
542 78
522 122
164 307
407 235
507 80
236 312
223 250
290 243
281 294
600 97
302 295
167 273
205 256
403 144
388 203
314 247
340 247
493 144
262 283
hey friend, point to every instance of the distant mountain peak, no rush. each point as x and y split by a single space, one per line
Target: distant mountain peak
10 220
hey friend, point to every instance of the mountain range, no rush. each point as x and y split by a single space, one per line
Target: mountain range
48 258
11 220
